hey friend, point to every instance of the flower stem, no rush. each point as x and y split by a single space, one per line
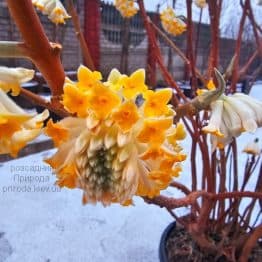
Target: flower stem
79 34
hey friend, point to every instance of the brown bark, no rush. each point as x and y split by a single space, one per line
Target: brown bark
44 55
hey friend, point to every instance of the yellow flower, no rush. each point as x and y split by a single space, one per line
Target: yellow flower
58 133
153 131
211 85
178 134
156 102
126 115
164 153
75 100
53 8
86 78
171 23
201 3
113 80
12 78
102 100
157 152
134 84
126 8
89 93
16 127
170 165
116 151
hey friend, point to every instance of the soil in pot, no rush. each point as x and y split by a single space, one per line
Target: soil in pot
180 247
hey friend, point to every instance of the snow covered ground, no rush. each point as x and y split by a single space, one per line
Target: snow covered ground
41 223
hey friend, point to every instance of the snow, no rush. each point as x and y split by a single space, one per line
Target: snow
43 223
54 226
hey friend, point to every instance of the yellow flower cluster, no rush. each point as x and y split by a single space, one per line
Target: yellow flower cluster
121 142
53 8
171 23
16 126
126 8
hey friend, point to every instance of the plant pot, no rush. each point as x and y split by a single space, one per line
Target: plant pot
176 244
162 245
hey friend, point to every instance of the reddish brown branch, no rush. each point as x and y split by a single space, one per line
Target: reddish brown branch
190 47
177 49
193 164
152 39
235 74
214 11
198 33
250 243
255 27
181 187
42 53
222 183
38 100
244 69
79 34
190 199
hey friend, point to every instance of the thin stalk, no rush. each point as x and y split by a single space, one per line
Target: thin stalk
250 243
79 34
237 49
198 33
125 46
152 38
190 46
222 182
214 11
193 164
36 99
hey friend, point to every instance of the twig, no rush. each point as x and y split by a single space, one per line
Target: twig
198 33
36 99
44 55
152 38
250 243
177 49
222 182
193 164
214 11
244 69
235 74
79 34
181 187
190 47
190 199
255 28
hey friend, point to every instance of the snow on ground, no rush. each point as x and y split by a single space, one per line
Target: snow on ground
41 223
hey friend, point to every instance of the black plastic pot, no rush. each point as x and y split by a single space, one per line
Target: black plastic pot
162 244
